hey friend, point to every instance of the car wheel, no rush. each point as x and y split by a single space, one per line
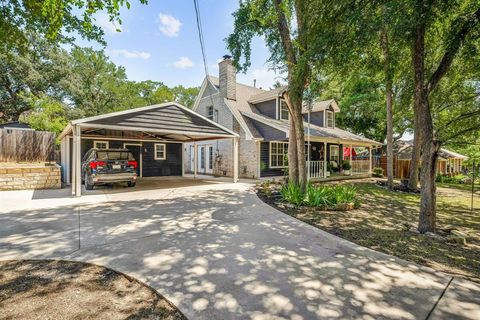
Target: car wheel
131 184
88 186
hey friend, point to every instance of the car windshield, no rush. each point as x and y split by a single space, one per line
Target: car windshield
114 155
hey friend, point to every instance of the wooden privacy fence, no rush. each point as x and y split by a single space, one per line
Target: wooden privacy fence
26 146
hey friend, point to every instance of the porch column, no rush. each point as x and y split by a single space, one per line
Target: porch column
72 162
78 161
350 160
370 160
324 159
235 159
195 155
183 158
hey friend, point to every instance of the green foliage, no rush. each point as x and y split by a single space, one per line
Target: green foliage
48 114
378 172
324 196
346 165
56 20
292 193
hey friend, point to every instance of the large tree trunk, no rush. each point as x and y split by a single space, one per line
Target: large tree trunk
292 154
300 142
389 97
419 102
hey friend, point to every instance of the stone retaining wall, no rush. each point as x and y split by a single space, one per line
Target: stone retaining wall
30 177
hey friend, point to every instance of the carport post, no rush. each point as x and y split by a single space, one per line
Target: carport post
77 161
195 155
235 159
72 163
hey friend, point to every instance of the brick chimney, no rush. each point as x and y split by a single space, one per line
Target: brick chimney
227 78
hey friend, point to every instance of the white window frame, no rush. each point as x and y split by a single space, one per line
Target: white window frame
333 119
334 146
283 155
155 151
210 116
100 141
280 110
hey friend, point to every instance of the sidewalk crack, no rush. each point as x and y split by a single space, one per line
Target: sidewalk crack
439 298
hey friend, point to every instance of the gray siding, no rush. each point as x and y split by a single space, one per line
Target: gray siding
265 170
268 108
316 118
269 133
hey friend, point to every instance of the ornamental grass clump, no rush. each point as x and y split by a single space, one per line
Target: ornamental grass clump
292 193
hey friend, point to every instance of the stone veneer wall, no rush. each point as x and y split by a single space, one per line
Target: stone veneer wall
30 177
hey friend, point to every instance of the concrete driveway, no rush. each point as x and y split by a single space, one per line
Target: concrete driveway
218 252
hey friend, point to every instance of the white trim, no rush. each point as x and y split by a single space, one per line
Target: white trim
131 139
248 133
277 107
202 90
155 157
100 141
333 119
280 110
140 162
335 146
270 154
113 127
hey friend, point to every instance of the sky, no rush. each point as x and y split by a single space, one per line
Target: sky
159 41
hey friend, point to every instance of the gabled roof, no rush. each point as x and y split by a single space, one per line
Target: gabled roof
403 150
267 95
168 118
322 105
335 135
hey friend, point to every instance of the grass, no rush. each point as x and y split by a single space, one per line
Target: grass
385 217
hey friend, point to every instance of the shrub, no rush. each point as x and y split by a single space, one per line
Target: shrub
346 165
318 196
292 193
378 172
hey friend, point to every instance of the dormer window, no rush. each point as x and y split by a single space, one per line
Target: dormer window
330 119
284 113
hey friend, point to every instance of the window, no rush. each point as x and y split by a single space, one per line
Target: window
202 157
284 114
278 153
334 154
330 119
210 112
210 157
100 144
160 151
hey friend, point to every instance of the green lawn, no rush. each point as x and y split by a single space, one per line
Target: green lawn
383 221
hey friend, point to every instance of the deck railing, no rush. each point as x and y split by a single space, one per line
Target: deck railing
360 166
316 169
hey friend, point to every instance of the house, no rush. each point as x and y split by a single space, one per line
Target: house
448 162
15 125
261 119
154 134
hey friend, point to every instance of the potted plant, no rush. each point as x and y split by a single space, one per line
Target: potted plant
346 167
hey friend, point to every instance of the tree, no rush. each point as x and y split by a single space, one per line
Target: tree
42 68
288 28
48 114
56 20
461 23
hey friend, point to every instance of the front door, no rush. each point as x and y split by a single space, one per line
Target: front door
205 159
136 150
209 159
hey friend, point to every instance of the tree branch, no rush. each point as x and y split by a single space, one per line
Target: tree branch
453 47
285 34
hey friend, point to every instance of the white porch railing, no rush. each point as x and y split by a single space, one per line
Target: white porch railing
360 166
315 169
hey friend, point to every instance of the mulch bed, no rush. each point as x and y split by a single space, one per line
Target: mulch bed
51 289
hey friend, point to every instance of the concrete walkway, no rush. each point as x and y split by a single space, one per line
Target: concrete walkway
218 252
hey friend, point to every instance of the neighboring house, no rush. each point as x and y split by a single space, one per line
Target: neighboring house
15 125
448 163
261 118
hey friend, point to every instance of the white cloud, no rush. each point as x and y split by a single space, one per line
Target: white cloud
130 54
109 27
183 62
169 25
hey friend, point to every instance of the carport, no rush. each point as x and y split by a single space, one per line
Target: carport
158 132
